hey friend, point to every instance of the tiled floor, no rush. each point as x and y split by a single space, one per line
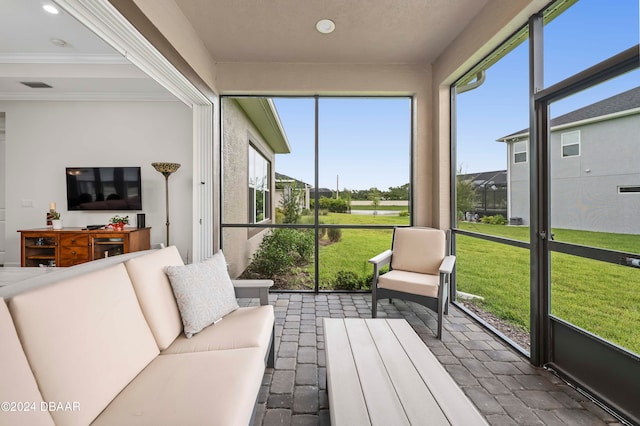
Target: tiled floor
503 385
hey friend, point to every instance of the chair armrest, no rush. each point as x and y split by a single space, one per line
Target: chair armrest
381 259
446 267
253 288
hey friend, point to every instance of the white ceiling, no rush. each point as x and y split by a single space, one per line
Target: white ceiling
367 31
86 68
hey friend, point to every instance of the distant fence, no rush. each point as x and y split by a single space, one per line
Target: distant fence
403 203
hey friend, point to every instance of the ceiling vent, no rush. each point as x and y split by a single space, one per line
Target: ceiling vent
36 84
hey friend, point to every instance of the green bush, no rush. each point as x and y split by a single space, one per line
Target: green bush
334 205
494 220
349 280
403 213
334 234
321 231
280 250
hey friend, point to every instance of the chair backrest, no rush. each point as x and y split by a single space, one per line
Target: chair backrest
418 250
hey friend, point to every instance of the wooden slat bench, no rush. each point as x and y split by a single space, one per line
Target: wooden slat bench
379 372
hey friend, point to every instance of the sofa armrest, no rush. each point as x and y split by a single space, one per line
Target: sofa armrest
253 288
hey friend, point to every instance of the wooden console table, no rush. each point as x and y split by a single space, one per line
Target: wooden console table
379 372
71 246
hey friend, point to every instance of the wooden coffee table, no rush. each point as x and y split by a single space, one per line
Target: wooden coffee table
380 372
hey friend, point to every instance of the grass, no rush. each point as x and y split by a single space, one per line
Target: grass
356 247
599 297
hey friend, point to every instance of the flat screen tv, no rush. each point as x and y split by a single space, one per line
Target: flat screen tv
104 188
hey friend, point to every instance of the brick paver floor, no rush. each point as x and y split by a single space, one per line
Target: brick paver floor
501 383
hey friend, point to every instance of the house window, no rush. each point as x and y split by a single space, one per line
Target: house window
571 144
629 189
520 152
259 187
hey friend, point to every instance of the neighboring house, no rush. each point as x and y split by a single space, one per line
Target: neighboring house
287 183
595 167
252 136
491 192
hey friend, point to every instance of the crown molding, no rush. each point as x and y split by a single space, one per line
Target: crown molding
92 59
89 97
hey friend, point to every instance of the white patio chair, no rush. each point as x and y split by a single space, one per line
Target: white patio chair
420 267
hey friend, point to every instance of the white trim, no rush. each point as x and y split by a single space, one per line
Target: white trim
88 96
562 144
591 120
526 152
94 59
107 23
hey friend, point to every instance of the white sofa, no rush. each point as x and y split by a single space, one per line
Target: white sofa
102 343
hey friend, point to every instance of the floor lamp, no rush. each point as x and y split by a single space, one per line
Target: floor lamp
166 169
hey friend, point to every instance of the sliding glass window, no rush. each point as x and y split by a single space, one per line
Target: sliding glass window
328 179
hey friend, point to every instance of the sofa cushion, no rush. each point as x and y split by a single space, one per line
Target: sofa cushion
85 339
204 292
202 388
155 295
17 382
242 328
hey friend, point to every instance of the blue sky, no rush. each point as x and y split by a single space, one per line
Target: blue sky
366 141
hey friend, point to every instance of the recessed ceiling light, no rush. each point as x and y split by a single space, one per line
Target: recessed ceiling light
325 26
51 9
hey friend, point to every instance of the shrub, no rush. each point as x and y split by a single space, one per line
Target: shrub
280 250
333 205
334 234
349 280
494 220
404 213
346 280
322 231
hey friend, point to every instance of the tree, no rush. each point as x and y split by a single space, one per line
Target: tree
398 192
465 194
374 197
290 204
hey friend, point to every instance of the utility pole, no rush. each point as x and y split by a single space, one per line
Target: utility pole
337 187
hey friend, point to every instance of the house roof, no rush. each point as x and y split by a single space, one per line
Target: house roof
288 179
497 177
625 101
263 114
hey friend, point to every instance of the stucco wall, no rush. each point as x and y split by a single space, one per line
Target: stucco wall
239 244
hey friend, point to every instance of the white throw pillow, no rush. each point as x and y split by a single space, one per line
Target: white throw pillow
204 292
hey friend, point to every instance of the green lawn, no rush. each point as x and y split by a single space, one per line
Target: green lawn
600 297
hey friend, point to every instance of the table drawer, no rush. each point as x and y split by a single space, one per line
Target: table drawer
73 255
74 240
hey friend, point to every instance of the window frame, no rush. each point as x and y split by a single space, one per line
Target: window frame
525 152
252 189
563 145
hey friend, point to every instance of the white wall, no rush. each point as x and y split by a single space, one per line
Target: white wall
42 138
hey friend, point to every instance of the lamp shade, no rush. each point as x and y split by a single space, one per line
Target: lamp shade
166 168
